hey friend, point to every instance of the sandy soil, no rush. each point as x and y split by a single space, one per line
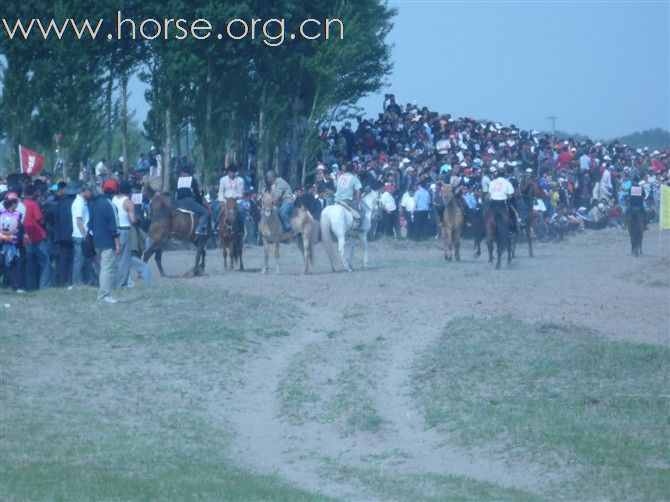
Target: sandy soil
406 297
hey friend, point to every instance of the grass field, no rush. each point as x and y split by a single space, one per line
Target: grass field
141 400
128 403
593 412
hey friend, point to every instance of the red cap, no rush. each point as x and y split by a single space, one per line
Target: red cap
110 186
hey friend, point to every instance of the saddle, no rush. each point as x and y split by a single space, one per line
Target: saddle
354 213
190 213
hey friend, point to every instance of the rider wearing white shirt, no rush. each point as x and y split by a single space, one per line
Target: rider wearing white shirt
500 190
231 186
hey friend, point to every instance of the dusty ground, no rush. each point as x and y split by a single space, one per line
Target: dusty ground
324 402
401 304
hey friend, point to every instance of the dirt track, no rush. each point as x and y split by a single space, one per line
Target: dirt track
399 306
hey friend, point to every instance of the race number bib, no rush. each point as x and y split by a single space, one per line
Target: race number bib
184 182
636 190
136 199
343 181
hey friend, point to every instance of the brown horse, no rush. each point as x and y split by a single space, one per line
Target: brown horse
304 228
229 236
167 222
529 191
636 230
496 223
452 223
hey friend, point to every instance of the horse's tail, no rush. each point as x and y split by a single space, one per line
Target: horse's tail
327 238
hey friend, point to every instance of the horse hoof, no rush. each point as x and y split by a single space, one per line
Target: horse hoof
498 267
263 271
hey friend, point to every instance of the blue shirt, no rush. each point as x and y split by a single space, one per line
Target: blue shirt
103 223
422 199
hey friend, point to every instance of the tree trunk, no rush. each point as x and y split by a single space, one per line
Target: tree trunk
294 159
308 128
167 149
124 124
108 113
207 140
261 148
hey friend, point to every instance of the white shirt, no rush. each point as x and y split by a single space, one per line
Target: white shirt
387 201
79 210
408 203
100 169
124 218
231 188
500 188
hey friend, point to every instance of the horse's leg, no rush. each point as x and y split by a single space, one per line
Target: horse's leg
277 255
224 249
489 245
529 237
352 251
306 251
204 253
340 248
240 247
149 253
266 255
159 261
365 251
457 244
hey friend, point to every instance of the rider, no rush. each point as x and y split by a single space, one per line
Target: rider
232 187
636 199
283 197
188 197
500 190
348 193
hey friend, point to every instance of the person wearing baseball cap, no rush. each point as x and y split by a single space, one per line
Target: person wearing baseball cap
105 228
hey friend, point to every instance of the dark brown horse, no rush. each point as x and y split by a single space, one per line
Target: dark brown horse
168 222
636 230
496 224
229 235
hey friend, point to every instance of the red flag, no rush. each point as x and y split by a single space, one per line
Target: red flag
31 162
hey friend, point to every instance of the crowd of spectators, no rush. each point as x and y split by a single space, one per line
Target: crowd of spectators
406 153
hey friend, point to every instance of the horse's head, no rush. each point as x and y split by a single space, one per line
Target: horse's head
447 193
371 202
267 204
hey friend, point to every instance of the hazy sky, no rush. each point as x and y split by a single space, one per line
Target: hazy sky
601 66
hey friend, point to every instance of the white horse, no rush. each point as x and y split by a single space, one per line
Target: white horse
337 220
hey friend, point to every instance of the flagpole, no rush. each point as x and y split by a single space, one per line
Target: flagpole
20 160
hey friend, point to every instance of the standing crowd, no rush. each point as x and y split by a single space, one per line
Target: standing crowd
93 231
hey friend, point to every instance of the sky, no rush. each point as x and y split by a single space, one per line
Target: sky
601 67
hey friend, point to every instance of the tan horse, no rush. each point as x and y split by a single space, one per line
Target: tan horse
303 226
452 223
229 238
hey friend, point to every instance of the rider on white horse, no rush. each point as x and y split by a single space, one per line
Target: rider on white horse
348 194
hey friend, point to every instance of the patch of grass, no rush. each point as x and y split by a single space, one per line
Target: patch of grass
315 389
593 411
391 486
653 274
128 401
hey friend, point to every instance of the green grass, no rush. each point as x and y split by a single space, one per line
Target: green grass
128 401
343 396
390 486
593 412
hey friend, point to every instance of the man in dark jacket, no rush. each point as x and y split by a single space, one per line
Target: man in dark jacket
62 234
188 197
105 227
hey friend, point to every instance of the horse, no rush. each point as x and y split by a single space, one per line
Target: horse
529 190
167 222
636 230
338 221
270 228
452 223
231 240
497 229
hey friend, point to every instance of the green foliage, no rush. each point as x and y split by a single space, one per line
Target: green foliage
653 138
